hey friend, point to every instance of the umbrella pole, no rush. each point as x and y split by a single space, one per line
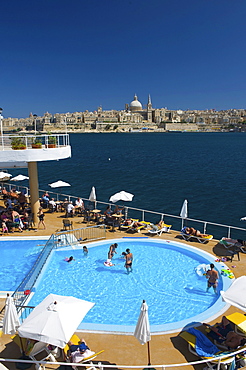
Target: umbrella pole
22 347
148 354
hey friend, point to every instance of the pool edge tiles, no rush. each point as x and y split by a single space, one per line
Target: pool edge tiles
212 312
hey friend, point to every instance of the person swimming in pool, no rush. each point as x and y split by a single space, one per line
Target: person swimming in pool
212 276
70 259
129 258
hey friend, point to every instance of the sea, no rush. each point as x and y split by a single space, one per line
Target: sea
160 169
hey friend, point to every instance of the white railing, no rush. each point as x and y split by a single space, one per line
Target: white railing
102 366
14 142
216 229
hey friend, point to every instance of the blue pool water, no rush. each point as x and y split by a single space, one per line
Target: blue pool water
17 258
163 274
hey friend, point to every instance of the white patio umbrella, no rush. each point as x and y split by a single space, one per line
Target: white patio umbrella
20 178
236 294
10 321
4 176
59 184
142 330
122 195
55 319
184 211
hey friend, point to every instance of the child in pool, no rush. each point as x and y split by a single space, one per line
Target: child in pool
69 259
85 250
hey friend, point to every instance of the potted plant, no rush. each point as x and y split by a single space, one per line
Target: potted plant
51 142
37 144
17 143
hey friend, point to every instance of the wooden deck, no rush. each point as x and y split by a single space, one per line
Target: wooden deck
125 349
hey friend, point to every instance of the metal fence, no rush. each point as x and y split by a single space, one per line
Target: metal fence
216 229
14 142
22 292
75 236
217 362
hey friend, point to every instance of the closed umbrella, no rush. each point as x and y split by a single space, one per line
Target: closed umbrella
142 330
93 197
236 294
122 195
10 321
55 319
184 211
20 178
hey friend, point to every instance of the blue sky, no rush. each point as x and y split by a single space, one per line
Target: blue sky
65 56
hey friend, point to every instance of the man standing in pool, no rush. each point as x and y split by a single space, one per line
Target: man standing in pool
129 258
212 276
112 250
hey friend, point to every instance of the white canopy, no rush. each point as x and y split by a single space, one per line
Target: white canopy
20 178
55 319
4 176
59 184
10 321
122 195
236 294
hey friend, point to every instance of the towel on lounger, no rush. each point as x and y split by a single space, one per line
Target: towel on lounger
204 347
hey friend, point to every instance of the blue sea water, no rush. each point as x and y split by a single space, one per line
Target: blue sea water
161 170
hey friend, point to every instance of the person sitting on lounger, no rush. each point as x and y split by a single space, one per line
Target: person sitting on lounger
236 242
77 352
192 231
136 224
223 333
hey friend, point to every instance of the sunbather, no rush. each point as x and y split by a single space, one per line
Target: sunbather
192 231
77 352
224 334
236 242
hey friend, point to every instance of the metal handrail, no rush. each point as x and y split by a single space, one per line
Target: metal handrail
30 279
163 366
27 141
144 214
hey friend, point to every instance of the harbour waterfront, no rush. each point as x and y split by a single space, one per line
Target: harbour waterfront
161 170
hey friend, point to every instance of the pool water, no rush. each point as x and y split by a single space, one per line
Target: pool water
163 274
17 258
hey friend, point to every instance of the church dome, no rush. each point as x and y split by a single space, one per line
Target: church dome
135 105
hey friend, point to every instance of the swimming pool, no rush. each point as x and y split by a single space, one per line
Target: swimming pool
163 274
17 258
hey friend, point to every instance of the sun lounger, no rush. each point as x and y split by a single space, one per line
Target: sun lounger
144 225
236 244
239 320
200 239
201 346
158 231
87 360
127 227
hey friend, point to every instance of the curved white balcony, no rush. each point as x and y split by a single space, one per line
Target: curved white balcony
18 150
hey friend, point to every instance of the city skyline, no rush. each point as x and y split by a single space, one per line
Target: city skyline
61 56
